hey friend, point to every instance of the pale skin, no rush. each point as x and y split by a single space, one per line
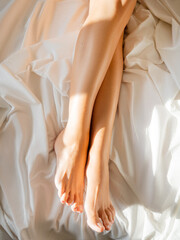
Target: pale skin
95 84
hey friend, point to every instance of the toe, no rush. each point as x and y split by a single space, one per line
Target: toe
109 215
112 211
61 191
78 203
105 220
61 186
77 208
64 197
95 223
70 199
73 207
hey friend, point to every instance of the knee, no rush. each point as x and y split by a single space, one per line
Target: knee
111 10
104 9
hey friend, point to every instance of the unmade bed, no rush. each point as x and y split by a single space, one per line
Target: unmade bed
37 42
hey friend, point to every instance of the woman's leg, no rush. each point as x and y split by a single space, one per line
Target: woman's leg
95 47
97 203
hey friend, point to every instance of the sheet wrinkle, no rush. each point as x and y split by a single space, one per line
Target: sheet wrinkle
5 108
168 47
158 9
12 35
35 77
142 39
173 7
164 84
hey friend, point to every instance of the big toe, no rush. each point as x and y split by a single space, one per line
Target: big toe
64 197
94 222
70 199
78 203
77 207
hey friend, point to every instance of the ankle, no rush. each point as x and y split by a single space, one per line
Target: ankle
73 134
100 146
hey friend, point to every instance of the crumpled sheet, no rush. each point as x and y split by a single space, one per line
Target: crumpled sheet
36 50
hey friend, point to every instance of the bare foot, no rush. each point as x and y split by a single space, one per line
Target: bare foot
99 210
70 171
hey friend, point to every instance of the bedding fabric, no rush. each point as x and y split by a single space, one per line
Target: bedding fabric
37 44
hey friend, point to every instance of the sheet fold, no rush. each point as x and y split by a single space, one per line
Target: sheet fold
37 48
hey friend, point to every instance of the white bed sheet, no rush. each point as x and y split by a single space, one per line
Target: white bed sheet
36 50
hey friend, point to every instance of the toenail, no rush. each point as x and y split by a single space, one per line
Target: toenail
80 208
101 226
